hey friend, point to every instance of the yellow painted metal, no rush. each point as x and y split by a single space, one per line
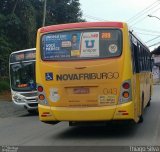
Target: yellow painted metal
92 106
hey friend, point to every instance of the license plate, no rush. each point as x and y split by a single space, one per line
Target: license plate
81 90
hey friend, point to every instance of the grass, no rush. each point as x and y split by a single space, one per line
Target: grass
4 85
5 93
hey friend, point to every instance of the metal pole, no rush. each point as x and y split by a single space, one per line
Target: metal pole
44 13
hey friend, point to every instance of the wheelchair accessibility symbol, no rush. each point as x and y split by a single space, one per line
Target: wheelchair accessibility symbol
49 76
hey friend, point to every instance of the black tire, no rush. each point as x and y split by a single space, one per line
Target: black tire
141 116
149 102
51 122
140 119
32 111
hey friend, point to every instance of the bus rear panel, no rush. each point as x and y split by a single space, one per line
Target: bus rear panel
84 73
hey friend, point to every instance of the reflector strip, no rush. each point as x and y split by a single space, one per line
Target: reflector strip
44 115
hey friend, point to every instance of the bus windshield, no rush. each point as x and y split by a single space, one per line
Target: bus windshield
81 44
23 76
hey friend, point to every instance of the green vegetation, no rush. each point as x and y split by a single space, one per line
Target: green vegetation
4 85
20 19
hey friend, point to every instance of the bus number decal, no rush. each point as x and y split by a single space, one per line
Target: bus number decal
110 91
106 35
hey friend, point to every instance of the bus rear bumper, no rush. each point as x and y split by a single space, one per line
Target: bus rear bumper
107 113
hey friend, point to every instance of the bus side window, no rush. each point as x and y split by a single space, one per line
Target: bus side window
151 62
147 65
145 62
141 58
134 52
132 56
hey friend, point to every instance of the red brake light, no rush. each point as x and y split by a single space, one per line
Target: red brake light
126 85
40 89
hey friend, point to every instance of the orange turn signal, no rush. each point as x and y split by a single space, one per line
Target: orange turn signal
41 97
125 94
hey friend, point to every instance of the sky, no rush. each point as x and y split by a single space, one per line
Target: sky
134 12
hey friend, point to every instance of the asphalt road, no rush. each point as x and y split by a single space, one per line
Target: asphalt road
17 127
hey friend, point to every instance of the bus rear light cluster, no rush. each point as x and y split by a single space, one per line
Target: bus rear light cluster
40 89
41 95
126 92
126 85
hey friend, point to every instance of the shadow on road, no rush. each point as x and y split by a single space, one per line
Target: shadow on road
27 114
110 130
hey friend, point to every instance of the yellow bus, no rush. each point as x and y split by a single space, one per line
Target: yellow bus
92 72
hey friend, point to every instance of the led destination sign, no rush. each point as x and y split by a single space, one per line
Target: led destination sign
23 56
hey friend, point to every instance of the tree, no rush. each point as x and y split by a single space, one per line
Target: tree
20 19
27 15
70 13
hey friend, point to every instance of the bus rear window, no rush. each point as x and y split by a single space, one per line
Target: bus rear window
77 45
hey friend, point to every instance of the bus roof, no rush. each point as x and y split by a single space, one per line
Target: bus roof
80 25
25 50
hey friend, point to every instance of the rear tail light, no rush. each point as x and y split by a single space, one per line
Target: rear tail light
40 89
126 85
41 95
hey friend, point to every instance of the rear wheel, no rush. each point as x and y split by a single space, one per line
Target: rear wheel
141 116
140 119
35 111
149 102
51 122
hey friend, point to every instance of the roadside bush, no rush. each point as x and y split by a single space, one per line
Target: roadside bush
4 86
